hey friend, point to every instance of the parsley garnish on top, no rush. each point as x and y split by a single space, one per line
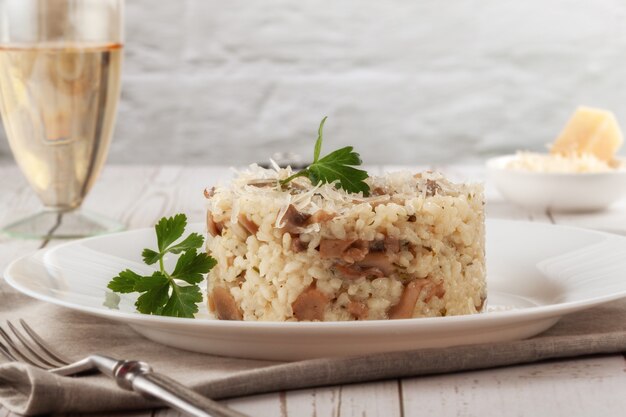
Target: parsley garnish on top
169 294
336 166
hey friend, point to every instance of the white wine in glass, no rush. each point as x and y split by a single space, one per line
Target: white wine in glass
60 64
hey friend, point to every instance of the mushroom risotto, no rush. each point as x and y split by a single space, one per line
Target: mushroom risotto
414 247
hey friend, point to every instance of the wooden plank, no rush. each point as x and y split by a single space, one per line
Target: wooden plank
371 399
611 220
139 196
18 199
362 400
189 193
146 413
266 405
566 388
136 196
314 402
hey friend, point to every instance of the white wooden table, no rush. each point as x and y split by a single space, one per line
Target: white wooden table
140 195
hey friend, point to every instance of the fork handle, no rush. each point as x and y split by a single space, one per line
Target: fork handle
139 377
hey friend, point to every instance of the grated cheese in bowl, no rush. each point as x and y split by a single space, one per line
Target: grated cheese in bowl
559 163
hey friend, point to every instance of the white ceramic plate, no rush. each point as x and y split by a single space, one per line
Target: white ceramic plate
578 192
536 274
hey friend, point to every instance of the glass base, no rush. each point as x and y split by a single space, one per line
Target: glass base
49 224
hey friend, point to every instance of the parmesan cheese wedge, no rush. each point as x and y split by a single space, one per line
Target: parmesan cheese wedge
590 131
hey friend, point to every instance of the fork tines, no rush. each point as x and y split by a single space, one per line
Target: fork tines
28 347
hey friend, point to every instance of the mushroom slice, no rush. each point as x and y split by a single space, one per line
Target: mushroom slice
310 305
378 260
321 216
297 245
355 271
214 228
248 224
435 291
294 220
358 309
334 248
225 305
404 308
392 245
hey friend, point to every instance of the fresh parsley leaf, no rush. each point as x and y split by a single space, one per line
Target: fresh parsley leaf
176 294
168 230
191 266
338 166
152 282
350 179
124 282
193 241
155 295
343 156
149 256
183 302
318 142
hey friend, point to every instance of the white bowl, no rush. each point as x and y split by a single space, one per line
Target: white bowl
575 192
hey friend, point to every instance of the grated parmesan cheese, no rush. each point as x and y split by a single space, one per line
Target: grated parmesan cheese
557 163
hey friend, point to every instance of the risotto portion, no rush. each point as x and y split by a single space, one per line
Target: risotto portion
415 247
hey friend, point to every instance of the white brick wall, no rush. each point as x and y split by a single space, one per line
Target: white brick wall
214 81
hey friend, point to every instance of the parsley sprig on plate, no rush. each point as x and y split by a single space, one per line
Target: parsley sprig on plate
336 166
163 293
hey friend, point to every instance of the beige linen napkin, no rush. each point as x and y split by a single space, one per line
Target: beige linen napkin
26 390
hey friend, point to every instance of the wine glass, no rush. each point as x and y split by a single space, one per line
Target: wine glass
60 65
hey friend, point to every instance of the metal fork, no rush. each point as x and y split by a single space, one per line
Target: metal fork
28 347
